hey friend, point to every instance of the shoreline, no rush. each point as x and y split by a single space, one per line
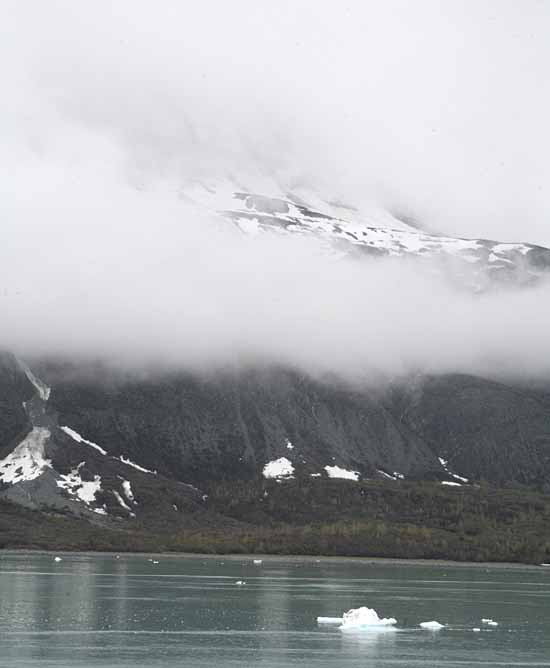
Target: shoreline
386 561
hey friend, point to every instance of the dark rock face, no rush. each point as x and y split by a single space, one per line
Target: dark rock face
230 426
14 390
486 430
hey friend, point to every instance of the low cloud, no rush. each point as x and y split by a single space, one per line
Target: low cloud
115 107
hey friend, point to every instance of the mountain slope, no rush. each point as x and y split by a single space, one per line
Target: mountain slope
477 263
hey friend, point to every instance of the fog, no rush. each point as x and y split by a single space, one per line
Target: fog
110 109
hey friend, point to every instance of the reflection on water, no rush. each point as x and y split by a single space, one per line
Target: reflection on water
101 611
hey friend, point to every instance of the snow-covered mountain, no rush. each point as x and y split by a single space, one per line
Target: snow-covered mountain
477 263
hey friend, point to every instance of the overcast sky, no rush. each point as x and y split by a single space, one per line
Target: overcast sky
437 110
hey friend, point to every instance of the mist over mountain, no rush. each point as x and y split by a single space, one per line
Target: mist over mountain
312 239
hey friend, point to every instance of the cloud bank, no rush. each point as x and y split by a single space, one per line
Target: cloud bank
113 107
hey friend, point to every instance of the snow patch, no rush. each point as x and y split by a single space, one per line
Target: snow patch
27 461
392 476
80 439
278 468
127 489
289 445
337 472
83 490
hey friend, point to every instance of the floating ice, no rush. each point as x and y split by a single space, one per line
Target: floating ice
358 618
57 558
489 622
330 620
337 472
278 468
476 630
240 582
432 626
257 562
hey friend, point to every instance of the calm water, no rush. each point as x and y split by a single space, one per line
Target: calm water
100 611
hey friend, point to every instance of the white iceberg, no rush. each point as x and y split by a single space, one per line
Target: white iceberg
359 618
432 626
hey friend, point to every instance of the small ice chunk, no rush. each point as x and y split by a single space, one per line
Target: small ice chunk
257 562
358 618
57 558
432 626
489 622
240 582
330 620
476 630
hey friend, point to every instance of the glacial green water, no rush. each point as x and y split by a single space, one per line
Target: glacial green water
100 611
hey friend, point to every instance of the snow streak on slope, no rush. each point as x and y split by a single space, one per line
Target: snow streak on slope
41 387
79 439
345 233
